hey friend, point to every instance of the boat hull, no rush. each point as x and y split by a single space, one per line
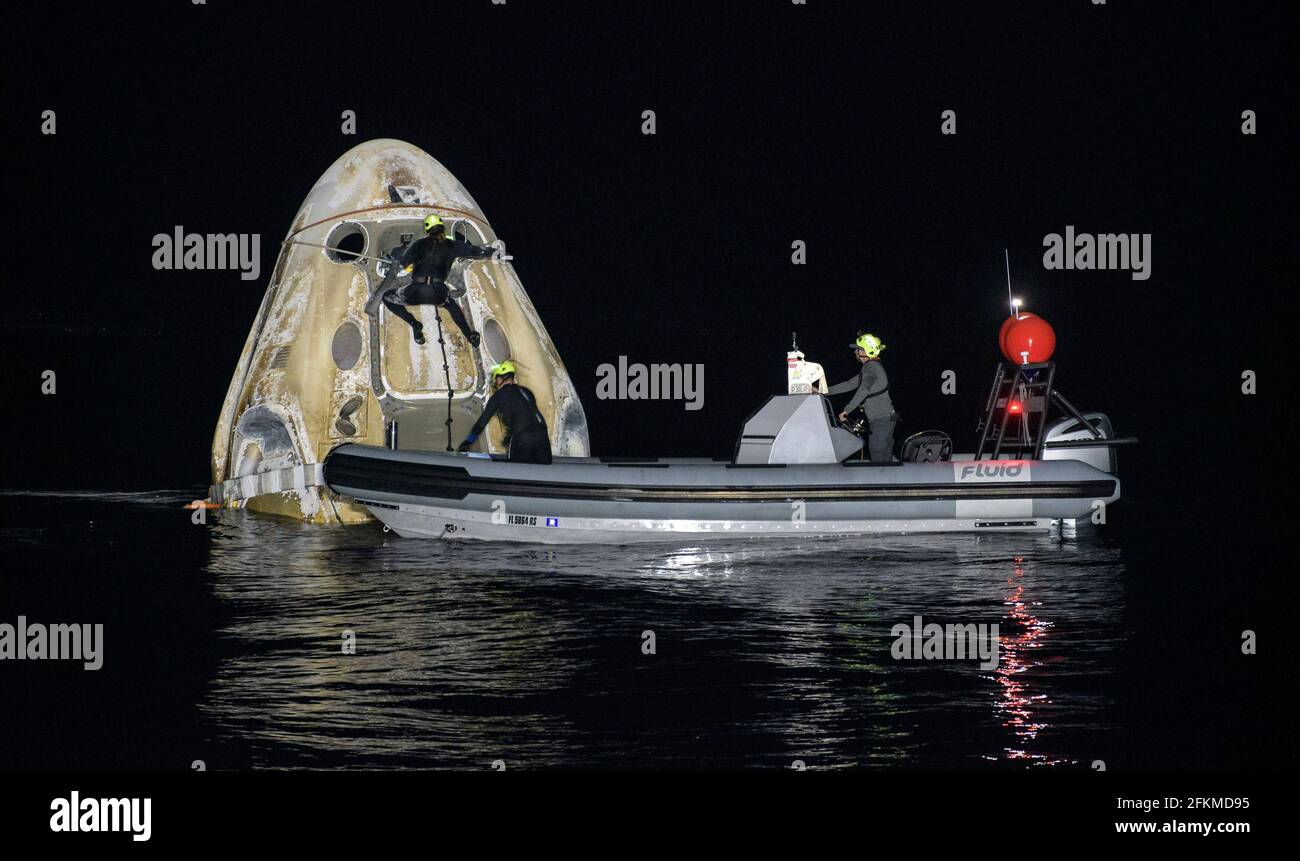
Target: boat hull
587 500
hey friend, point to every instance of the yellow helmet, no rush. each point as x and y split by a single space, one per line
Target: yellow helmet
432 221
869 344
500 370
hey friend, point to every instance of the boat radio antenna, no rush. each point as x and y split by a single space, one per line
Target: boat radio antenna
1011 303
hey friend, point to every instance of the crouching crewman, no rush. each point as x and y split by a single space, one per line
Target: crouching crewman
527 439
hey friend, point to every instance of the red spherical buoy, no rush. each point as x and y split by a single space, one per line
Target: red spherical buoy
1006 326
1001 334
1029 339
1002 331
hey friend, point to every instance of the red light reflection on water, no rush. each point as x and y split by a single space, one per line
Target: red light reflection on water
1018 707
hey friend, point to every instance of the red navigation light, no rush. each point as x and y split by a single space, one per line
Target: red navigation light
1014 407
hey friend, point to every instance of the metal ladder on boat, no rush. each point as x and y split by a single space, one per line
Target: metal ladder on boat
1015 415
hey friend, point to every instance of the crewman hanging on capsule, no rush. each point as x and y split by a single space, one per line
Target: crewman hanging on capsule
428 260
871 392
527 439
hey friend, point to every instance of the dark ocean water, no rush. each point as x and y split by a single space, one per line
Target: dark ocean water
223 643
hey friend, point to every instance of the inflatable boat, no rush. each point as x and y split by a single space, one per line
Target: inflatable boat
793 472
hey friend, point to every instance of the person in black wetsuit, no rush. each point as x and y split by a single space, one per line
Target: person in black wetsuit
871 393
429 260
527 438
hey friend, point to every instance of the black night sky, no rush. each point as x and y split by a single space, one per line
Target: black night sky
776 122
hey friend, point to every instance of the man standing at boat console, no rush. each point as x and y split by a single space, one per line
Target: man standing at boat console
872 394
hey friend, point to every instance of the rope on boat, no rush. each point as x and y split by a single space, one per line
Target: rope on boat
446 370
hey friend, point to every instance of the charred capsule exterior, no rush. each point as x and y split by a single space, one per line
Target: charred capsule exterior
317 371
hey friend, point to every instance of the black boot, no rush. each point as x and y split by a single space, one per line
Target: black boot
474 338
418 331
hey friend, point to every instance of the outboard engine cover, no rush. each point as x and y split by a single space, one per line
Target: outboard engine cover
1100 456
929 446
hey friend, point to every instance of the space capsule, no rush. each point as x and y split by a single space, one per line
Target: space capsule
317 371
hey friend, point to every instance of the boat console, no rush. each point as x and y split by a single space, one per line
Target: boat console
794 429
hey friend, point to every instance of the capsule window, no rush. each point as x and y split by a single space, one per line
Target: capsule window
346 346
465 231
346 242
494 338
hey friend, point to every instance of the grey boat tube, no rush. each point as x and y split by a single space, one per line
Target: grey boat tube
593 500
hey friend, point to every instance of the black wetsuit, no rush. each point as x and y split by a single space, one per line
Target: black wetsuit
527 438
871 392
431 259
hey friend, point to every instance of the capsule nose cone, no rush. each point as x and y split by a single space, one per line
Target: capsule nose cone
373 173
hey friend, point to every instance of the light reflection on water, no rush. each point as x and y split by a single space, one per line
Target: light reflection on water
1019 705
766 651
